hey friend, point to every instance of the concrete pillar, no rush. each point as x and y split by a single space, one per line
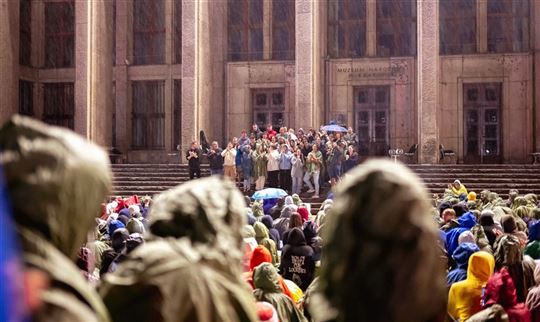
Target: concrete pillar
428 80
93 66
481 26
306 60
9 58
121 76
536 69
371 28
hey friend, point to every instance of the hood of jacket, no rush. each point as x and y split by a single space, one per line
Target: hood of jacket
260 255
463 253
507 250
296 237
261 232
208 212
361 230
66 177
481 266
266 278
268 221
467 220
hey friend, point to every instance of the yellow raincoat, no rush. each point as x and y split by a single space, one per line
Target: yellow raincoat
464 297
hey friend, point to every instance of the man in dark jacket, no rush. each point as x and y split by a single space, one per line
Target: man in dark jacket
193 155
297 262
215 159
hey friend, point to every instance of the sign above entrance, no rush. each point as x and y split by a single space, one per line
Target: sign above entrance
372 71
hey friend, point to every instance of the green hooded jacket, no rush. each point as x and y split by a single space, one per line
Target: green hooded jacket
191 269
263 238
267 289
56 182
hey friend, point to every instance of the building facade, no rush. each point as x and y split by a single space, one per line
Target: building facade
145 76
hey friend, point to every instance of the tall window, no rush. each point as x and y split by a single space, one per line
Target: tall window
59 34
283 29
148 122
245 24
346 28
26 102
25 32
457 27
508 26
396 28
148 32
59 104
177 31
177 113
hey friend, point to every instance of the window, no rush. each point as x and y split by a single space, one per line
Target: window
269 107
177 113
245 24
346 28
26 93
148 32
396 28
148 122
283 29
457 27
177 51
59 34
508 26
59 104
25 32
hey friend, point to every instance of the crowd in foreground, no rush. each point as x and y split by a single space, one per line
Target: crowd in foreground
378 252
287 159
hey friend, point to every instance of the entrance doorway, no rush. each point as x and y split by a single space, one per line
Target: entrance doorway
269 107
482 113
372 116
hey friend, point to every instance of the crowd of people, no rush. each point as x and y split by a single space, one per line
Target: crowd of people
285 159
378 251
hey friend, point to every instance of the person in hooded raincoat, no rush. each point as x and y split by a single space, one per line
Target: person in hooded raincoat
466 222
56 182
500 290
297 263
267 289
533 297
461 258
263 238
274 234
372 257
464 297
262 255
509 254
191 268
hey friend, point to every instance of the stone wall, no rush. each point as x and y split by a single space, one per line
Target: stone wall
514 71
242 78
399 73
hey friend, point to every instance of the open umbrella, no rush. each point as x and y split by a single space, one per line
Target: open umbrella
334 128
269 193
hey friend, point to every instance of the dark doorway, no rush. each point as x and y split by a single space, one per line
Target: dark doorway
482 114
372 116
269 107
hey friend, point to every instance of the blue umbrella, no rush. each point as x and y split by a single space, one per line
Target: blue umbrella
269 193
334 128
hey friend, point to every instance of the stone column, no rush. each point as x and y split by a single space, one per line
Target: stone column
9 58
428 80
536 108
481 26
304 111
123 9
371 28
93 66
189 71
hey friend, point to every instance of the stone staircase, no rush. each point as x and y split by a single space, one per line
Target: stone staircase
149 179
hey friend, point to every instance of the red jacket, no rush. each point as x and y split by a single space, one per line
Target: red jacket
500 289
